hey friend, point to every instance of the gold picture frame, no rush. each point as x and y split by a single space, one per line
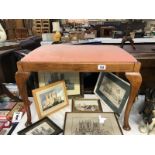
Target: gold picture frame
50 98
73 81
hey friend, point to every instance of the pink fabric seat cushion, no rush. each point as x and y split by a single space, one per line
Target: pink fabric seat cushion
79 54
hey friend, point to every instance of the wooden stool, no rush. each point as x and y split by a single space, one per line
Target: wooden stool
80 58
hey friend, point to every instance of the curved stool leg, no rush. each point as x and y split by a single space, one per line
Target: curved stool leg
135 80
21 79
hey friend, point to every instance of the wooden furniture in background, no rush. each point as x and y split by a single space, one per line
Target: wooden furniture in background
146 56
41 26
7 66
106 31
6 51
85 58
16 29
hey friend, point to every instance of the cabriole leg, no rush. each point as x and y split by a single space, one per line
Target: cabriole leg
135 80
21 79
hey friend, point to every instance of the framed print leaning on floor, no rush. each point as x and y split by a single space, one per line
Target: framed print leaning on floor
91 124
86 105
113 90
50 98
73 81
42 127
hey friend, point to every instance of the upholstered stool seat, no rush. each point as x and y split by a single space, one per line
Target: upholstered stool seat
79 53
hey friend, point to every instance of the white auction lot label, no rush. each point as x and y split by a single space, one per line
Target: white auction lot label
101 67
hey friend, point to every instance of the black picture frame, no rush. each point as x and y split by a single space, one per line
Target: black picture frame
115 91
57 129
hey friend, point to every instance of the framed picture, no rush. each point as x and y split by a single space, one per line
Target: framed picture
17 108
6 103
113 91
42 127
50 98
4 112
86 105
91 124
73 81
3 131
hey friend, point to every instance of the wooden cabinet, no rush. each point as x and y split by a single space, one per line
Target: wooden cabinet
146 56
41 26
16 28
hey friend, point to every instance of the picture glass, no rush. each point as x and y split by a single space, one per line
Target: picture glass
72 81
91 124
50 98
6 103
86 105
113 90
45 126
42 129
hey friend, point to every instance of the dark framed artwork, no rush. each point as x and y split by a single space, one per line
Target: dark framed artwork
73 81
17 108
86 105
6 103
91 124
42 127
113 90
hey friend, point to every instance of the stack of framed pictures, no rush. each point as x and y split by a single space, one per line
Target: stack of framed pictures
87 116
48 99
73 81
8 107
